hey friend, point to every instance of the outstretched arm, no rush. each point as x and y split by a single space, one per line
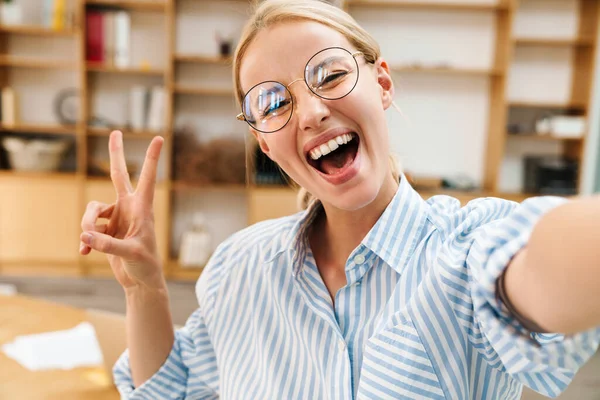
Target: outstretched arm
555 280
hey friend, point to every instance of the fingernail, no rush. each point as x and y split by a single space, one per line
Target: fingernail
86 238
81 247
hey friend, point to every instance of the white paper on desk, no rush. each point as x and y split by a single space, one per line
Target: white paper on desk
76 347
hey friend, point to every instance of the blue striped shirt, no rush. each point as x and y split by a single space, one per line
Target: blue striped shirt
418 318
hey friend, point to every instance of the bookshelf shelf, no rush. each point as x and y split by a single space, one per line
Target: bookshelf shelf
45 175
174 271
128 134
553 42
544 138
106 179
140 5
428 5
31 62
201 59
37 30
36 129
447 71
98 67
179 89
540 104
180 186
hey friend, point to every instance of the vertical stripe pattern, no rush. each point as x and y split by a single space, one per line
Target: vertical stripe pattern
418 318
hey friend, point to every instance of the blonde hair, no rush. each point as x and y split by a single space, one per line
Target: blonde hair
271 12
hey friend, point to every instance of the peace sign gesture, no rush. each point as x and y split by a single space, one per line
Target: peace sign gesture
128 239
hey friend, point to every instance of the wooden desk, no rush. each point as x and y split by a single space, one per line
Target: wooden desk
21 316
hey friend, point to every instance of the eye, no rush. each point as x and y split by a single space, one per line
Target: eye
274 107
331 78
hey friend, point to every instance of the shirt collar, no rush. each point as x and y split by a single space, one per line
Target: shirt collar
297 241
393 237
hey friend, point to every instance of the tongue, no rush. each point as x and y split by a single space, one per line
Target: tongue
333 162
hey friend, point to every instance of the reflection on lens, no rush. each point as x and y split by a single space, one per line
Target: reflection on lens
332 73
268 106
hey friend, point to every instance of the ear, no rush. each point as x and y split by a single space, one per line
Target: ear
261 141
384 78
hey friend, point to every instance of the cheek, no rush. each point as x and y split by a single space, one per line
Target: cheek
282 148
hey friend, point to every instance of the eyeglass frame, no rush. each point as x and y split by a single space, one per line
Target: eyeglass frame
242 117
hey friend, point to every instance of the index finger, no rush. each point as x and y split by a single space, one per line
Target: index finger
147 182
118 167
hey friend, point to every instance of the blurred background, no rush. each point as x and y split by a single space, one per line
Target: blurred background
499 98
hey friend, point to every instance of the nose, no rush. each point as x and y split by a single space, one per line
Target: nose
311 110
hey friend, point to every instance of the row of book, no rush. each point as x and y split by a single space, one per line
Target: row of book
108 37
147 110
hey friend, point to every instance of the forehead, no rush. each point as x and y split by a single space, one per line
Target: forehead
280 52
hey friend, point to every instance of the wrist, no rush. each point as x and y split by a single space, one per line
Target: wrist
156 290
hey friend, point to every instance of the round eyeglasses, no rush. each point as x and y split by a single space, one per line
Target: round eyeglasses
331 74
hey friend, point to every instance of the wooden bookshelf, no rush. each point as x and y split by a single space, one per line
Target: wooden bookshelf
582 76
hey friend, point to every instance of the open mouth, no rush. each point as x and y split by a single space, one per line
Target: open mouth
333 157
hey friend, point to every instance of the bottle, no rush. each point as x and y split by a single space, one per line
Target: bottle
195 249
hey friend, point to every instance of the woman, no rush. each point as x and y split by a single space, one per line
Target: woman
371 292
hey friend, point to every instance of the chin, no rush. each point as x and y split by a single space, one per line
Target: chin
355 198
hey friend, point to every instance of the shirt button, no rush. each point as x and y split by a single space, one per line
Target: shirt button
342 345
359 259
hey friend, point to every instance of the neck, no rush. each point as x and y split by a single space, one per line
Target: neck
339 232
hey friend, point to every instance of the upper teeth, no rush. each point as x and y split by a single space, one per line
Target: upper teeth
330 146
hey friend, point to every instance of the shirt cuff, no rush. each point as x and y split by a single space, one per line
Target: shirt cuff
169 382
528 324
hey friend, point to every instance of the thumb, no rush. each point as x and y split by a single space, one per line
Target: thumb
106 244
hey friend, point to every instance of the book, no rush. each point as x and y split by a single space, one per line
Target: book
48 12
108 29
156 113
59 15
94 36
122 39
138 107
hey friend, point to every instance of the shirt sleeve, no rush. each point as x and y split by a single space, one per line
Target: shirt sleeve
544 362
190 370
